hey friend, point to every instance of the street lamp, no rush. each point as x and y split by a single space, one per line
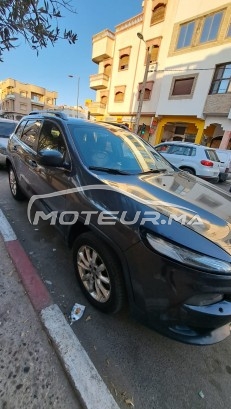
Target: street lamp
141 99
78 79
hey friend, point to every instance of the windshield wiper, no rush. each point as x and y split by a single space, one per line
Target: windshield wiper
109 170
154 171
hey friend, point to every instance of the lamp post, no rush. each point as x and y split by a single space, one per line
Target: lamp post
141 99
78 79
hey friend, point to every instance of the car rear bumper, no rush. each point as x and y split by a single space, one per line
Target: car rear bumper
223 176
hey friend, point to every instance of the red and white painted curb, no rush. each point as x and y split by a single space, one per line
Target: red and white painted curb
82 373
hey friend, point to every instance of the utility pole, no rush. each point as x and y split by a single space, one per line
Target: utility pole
141 99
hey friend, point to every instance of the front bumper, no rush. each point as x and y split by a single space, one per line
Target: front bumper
162 289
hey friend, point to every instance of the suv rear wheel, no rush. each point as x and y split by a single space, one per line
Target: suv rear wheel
98 273
189 170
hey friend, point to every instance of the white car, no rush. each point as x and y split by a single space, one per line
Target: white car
7 126
196 159
225 166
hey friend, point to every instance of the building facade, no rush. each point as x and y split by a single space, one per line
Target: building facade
176 73
18 99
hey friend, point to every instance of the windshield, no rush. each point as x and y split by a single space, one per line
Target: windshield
6 129
108 148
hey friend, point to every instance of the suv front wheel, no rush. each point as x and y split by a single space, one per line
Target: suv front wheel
14 186
98 273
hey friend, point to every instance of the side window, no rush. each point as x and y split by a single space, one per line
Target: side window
163 148
51 138
30 133
20 128
176 150
193 152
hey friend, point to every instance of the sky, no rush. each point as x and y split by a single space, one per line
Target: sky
50 69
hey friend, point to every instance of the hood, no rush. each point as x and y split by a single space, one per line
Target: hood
200 205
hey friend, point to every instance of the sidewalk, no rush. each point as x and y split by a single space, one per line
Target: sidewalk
31 375
32 327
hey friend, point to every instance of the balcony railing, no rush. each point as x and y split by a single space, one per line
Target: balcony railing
103 46
97 108
99 81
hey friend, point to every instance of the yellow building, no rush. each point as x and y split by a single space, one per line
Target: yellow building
18 99
175 76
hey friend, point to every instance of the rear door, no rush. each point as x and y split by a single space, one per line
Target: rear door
51 181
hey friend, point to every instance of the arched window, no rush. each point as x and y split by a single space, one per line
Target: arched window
158 13
154 53
124 60
119 96
107 69
104 99
147 91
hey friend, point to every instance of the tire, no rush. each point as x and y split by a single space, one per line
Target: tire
189 170
98 273
14 186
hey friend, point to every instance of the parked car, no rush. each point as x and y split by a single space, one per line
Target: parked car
196 159
120 125
7 126
139 229
225 165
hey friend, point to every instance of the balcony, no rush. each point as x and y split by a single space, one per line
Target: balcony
103 46
10 96
97 108
99 81
218 104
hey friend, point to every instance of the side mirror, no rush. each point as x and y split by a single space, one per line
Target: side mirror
51 157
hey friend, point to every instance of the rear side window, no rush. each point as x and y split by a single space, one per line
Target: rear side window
6 129
31 133
180 150
212 155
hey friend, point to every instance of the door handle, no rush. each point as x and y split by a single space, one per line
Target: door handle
32 163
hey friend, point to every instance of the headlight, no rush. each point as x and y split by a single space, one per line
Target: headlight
188 257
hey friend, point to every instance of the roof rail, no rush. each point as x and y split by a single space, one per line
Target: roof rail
53 112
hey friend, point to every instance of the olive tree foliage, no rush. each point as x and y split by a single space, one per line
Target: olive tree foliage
35 20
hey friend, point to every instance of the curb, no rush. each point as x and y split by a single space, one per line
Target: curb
81 372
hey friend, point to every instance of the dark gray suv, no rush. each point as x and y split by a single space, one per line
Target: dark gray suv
140 229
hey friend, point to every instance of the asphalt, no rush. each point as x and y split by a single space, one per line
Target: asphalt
42 363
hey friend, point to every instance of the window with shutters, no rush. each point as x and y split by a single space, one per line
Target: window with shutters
123 63
107 70
147 91
154 53
158 13
104 99
183 87
119 96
